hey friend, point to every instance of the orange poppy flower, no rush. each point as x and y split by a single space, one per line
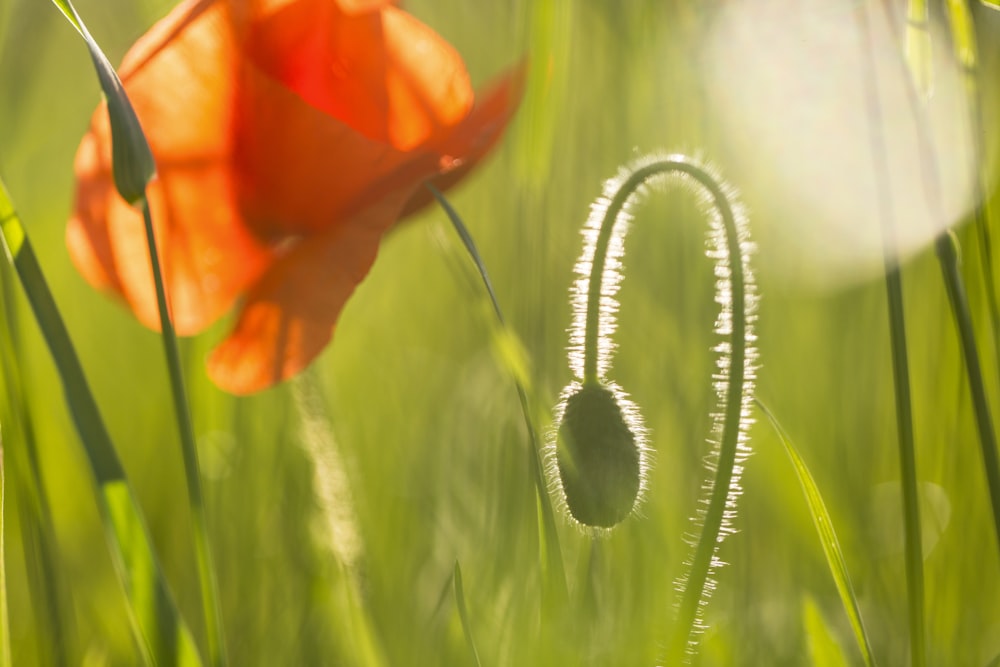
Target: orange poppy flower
289 136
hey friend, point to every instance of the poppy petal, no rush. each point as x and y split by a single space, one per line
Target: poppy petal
289 315
473 139
383 73
208 255
359 6
300 171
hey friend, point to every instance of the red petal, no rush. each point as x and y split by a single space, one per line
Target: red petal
289 315
473 139
301 171
383 73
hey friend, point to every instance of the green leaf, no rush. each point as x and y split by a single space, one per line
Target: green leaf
824 649
828 539
161 634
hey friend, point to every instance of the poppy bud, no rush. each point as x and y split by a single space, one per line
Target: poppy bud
599 456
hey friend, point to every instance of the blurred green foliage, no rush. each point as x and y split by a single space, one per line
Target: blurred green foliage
427 418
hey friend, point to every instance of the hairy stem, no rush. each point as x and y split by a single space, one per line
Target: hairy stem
734 273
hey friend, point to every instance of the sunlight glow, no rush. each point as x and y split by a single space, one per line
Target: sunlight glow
787 89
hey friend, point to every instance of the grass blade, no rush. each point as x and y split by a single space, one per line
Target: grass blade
51 601
159 630
827 538
824 651
463 614
5 660
550 555
133 167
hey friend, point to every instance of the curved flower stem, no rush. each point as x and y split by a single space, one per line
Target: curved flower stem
551 556
900 362
189 449
735 274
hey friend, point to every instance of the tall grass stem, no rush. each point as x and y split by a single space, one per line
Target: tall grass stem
957 298
211 608
897 335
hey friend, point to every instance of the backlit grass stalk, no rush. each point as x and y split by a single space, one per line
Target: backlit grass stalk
133 168
341 534
551 552
897 334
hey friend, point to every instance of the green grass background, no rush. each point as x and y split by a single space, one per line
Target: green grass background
427 418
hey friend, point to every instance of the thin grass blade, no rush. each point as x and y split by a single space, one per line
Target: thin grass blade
161 635
50 595
463 614
550 553
827 538
5 660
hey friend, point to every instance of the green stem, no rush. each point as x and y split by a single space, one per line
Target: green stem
955 288
963 320
203 554
731 425
900 360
